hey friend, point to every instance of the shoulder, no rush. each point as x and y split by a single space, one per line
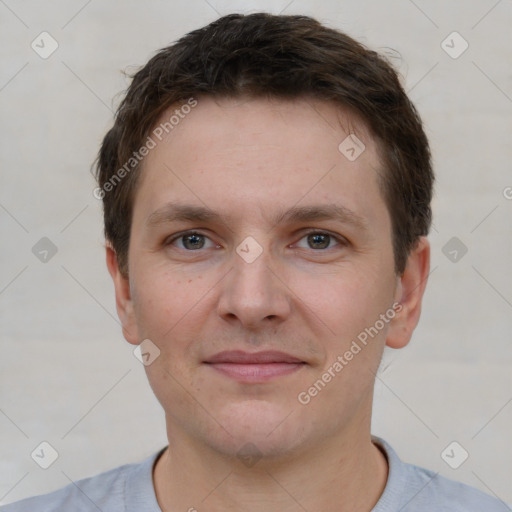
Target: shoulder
102 491
412 488
107 491
435 492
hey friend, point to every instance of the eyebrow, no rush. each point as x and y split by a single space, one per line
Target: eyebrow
173 212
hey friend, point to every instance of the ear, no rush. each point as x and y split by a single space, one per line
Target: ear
124 303
409 293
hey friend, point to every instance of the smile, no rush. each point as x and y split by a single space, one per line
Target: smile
256 367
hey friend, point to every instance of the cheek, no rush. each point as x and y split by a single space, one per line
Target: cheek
347 306
160 301
172 309
345 298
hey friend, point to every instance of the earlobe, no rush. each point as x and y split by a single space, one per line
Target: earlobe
409 293
124 303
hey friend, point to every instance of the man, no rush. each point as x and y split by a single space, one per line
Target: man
266 190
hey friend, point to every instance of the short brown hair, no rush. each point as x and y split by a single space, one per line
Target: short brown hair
278 56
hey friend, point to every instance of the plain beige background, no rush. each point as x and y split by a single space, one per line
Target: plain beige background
67 375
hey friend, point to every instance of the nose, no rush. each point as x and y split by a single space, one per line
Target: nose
254 294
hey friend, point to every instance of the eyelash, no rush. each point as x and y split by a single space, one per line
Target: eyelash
341 241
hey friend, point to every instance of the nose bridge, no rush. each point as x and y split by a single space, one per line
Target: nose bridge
252 292
252 270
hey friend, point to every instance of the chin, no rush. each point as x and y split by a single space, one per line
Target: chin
260 424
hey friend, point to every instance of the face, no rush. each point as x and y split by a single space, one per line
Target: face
259 254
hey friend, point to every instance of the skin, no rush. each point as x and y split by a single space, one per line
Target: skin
249 159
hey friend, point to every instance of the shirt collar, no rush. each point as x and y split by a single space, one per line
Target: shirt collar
139 492
392 496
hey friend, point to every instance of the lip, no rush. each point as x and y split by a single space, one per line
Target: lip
241 357
254 367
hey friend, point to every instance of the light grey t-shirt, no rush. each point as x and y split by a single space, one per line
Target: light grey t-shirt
129 488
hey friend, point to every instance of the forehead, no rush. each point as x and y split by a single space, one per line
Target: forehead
257 157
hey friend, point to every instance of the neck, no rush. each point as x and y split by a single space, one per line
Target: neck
345 473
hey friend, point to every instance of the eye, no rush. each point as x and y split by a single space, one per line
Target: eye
192 241
322 240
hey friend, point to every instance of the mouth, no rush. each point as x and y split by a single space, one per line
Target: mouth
254 367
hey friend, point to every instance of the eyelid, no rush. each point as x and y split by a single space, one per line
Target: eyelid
176 236
342 241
